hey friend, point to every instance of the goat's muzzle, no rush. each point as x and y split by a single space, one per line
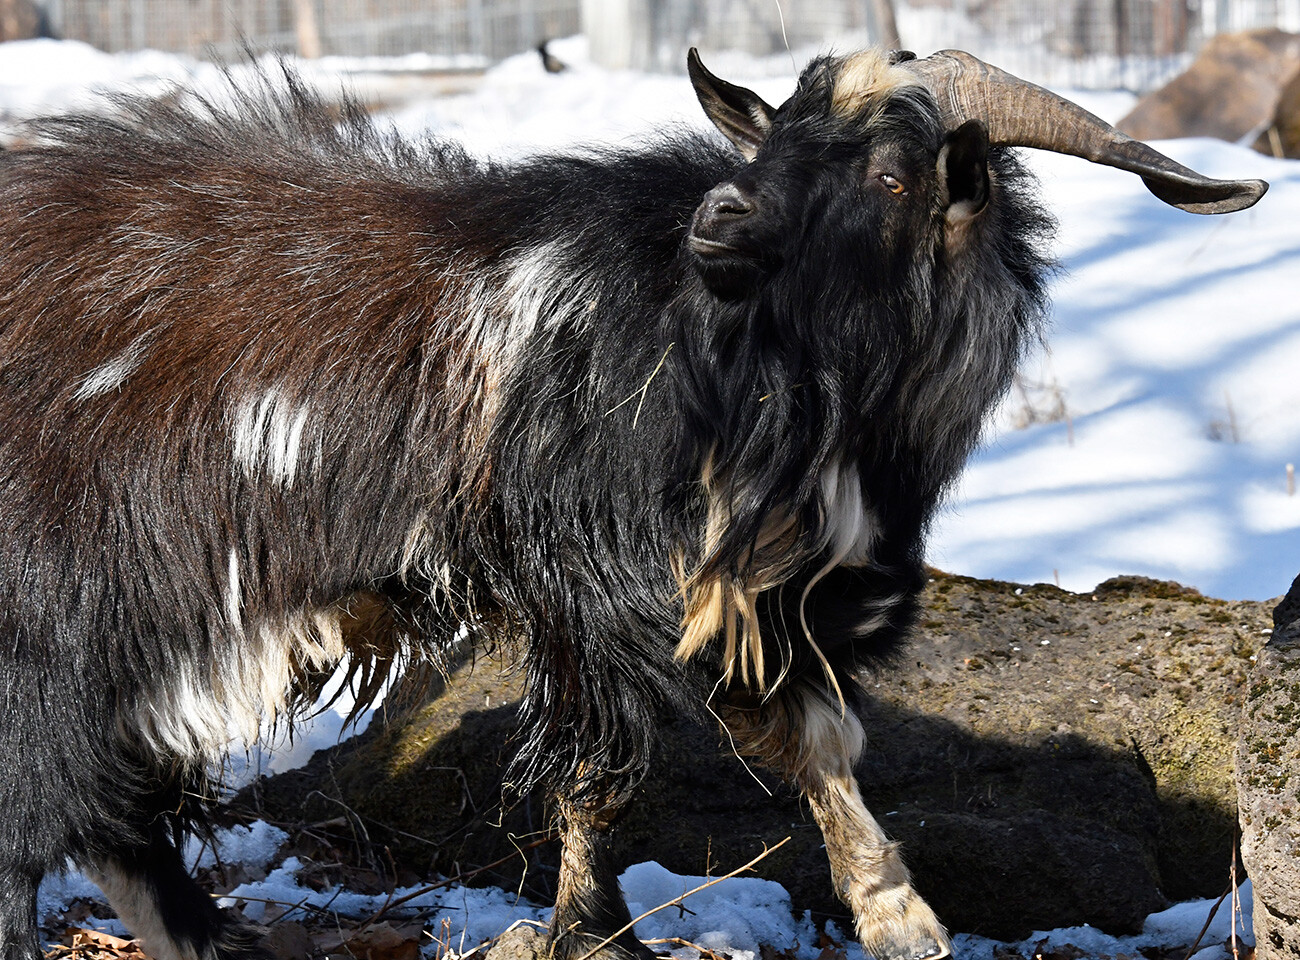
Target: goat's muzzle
725 242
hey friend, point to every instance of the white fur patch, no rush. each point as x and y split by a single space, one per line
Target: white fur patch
111 374
847 524
234 595
831 740
137 907
540 291
268 435
537 289
246 682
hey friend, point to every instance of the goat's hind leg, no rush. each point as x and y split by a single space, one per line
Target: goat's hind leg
591 917
801 734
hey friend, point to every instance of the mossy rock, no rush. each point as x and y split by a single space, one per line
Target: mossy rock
1268 780
1046 759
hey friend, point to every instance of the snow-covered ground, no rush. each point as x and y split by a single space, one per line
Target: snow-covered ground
1152 436
736 915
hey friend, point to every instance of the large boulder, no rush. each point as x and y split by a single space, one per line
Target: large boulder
1230 90
21 20
1282 137
1268 780
1046 758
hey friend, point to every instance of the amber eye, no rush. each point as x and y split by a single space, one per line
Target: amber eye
892 184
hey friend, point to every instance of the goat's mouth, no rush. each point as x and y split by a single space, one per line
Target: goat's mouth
731 272
704 247
732 248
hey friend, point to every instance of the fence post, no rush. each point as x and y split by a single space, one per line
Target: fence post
887 24
54 17
139 23
620 32
477 35
307 29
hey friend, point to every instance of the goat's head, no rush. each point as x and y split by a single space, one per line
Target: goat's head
894 146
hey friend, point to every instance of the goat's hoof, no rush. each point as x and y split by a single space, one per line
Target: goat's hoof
911 933
929 949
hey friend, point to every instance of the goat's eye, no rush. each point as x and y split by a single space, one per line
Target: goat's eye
892 184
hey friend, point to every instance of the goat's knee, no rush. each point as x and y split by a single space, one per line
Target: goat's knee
805 737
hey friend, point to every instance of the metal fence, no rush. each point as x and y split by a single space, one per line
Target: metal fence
1083 43
482 29
1136 44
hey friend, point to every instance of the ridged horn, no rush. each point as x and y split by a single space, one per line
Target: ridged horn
1023 114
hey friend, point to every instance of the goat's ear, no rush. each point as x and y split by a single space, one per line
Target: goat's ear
964 171
739 113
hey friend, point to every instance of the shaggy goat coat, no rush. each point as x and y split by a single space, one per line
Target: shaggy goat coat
279 392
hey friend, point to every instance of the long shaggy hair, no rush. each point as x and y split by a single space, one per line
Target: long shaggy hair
281 390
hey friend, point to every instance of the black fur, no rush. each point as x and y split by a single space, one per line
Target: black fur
522 452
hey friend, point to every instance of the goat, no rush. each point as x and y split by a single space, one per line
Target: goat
280 391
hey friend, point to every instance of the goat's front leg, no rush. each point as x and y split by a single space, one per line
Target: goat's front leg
589 908
801 734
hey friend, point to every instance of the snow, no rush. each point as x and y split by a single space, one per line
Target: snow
255 845
1153 435
472 915
736 915
1172 345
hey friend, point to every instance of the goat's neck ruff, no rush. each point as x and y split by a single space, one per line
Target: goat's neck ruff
725 603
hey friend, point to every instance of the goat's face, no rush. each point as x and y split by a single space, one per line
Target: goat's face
838 181
879 146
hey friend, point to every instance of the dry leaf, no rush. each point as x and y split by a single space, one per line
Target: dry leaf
383 941
289 941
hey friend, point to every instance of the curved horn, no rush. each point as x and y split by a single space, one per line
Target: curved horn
1020 113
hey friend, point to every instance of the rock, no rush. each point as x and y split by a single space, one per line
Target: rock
520 943
1268 781
1229 91
1046 758
21 20
1282 137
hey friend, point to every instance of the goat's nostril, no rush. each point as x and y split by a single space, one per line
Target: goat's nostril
729 200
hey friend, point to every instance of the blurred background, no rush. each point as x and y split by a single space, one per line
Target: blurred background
1100 44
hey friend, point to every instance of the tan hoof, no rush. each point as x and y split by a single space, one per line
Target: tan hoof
906 931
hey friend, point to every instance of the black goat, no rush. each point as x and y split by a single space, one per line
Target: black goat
279 392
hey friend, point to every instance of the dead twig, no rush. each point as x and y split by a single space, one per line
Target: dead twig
682 942
676 901
1236 893
459 878
1213 910
291 907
